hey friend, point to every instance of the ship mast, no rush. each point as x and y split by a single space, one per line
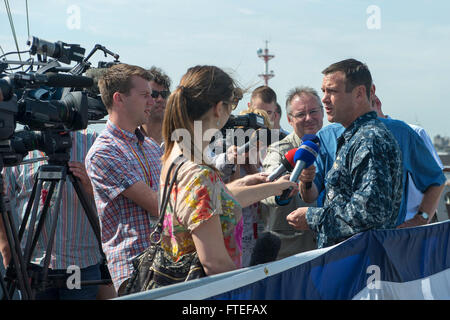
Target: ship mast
264 54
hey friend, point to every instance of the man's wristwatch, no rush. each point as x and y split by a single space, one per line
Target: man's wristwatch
424 215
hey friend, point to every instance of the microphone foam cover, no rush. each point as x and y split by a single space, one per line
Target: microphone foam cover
307 152
266 249
311 137
290 156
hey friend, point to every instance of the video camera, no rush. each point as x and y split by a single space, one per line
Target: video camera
237 131
246 121
53 100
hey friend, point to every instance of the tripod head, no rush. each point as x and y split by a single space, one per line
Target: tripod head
56 144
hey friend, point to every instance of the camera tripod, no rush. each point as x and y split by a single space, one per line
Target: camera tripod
17 273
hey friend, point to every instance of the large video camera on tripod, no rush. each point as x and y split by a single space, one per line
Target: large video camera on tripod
50 102
23 103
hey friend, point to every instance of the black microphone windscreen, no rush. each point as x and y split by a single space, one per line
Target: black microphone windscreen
266 249
66 80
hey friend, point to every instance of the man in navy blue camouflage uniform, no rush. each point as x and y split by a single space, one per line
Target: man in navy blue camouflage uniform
364 186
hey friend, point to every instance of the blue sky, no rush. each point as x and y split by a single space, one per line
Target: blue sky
408 55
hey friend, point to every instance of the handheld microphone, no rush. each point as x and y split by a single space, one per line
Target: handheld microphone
287 165
316 140
303 158
266 249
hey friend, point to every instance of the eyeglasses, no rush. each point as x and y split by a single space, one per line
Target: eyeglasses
302 115
230 103
164 94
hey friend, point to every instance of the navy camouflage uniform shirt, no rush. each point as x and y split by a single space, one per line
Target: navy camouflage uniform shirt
364 186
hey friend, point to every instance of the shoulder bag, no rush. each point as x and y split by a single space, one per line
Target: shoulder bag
155 268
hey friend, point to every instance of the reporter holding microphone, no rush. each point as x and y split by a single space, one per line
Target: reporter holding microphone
202 212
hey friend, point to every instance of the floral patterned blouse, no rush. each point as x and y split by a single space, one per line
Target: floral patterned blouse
198 194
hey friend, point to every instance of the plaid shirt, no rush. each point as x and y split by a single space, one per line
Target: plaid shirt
114 164
75 242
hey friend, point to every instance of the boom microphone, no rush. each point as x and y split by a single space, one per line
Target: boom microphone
266 249
287 165
303 158
66 80
21 80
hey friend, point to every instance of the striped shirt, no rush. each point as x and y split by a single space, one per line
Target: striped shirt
117 160
75 242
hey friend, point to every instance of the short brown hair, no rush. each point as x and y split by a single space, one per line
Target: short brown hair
356 74
118 79
266 94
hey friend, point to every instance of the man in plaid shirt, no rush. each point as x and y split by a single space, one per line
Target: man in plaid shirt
124 168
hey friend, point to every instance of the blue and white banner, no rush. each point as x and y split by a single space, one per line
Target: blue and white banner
411 263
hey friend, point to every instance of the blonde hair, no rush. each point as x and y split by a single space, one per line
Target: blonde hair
260 112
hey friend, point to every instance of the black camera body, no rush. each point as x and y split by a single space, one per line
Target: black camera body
246 121
237 131
47 121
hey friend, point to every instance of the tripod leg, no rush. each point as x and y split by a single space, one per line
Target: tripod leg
16 252
32 236
92 217
42 218
32 224
90 212
28 209
16 255
5 292
46 173
60 188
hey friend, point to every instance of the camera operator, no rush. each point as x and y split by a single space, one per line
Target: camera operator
75 242
264 98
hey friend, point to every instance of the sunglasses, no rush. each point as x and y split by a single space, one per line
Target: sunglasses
164 94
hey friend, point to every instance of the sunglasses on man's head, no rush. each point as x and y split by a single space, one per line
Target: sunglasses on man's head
164 94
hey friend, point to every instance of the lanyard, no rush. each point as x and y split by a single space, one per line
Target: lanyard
146 168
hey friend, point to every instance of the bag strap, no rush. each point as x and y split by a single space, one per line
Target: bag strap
155 236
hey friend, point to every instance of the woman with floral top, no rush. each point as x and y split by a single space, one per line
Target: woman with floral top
203 212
